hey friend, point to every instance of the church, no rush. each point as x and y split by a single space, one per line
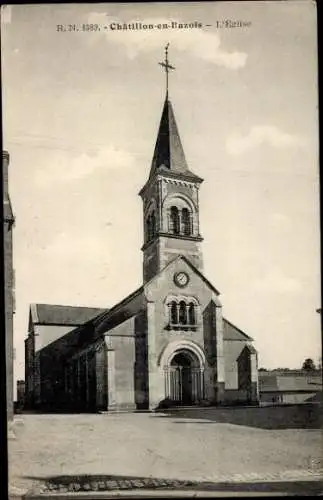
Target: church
167 343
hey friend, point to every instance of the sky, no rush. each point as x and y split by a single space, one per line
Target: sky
80 117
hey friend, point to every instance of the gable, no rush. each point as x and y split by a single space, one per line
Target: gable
50 322
246 351
163 282
206 281
232 332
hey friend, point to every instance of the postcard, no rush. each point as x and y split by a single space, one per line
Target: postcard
162 248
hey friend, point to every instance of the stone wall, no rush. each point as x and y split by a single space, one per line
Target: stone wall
121 365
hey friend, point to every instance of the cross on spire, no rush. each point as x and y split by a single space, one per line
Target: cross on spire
167 67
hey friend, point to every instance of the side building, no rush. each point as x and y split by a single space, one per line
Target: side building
9 282
46 324
290 387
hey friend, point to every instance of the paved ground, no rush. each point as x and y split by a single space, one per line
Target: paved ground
66 453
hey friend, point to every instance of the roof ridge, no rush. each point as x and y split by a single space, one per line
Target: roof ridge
65 305
118 304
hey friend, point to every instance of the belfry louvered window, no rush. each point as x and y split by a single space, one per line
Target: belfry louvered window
180 221
174 220
186 222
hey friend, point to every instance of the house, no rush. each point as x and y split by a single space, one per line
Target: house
290 386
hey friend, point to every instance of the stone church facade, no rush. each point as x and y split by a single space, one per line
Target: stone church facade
168 340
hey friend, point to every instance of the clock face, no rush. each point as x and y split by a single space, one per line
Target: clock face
181 279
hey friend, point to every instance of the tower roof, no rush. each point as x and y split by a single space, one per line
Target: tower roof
169 155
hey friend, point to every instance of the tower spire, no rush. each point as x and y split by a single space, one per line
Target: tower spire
169 154
166 67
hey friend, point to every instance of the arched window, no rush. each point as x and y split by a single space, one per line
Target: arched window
173 313
191 314
174 220
182 313
186 221
153 224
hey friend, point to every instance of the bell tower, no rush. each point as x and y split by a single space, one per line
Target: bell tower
170 199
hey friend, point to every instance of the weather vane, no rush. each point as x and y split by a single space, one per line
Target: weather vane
166 66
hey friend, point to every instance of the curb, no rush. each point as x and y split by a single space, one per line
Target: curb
151 494
221 484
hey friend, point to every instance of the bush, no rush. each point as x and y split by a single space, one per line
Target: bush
166 403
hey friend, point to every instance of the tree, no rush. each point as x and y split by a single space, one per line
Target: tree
262 370
308 364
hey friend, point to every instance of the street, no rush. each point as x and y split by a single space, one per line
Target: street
120 452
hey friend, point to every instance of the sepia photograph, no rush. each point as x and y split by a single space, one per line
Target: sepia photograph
161 235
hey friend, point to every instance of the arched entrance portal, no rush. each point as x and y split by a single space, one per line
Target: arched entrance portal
184 378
